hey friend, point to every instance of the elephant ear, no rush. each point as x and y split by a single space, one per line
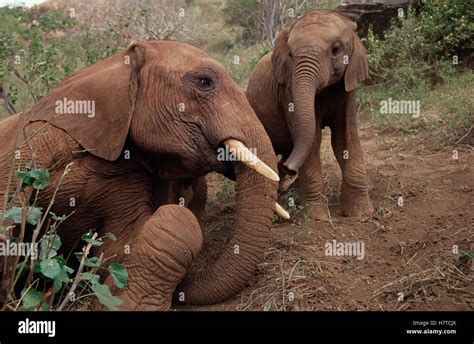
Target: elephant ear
281 60
358 68
95 105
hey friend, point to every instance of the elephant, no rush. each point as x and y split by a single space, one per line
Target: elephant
160 111
306 83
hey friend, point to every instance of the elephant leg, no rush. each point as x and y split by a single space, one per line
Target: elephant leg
311 182
348 151
160 256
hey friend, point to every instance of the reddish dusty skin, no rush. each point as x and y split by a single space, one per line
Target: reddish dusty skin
316 64
161 111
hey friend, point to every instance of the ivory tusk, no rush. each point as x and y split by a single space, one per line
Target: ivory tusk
245 156
281 212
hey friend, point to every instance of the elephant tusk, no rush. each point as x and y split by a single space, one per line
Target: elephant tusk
245 156
281 212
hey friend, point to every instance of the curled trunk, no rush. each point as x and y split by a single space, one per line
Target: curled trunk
238 260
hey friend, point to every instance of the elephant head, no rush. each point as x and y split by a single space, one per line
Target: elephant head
175 107
314 52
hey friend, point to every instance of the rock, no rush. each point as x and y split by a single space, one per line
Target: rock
375 13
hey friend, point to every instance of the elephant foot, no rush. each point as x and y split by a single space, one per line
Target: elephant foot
357 207
319 211
160 257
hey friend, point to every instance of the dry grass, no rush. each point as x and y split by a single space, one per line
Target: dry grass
455 277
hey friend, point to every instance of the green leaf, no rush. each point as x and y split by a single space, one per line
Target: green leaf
49 246
94 242
55 269
50 268
90 277
119 274
26 178
61 262
38 179
93 262
102 292
34 215
57 218
13 214
63 277
88 238
31 298
87 235
111 236
41 179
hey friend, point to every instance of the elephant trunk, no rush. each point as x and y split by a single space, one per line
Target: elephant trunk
302 128
238 260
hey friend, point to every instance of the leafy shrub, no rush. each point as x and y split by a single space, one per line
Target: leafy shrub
422 46
32 49
39 48
448 26
41 279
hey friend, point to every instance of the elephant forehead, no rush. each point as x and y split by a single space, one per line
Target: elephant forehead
315 34
317 20
180 58
183 61
177 52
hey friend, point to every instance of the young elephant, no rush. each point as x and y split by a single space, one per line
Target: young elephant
306 83
155 112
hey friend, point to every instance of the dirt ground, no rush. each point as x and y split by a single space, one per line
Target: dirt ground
417 256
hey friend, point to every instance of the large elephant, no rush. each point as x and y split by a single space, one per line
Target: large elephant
306 83
159 111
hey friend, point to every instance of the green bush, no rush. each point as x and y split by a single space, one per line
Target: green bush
39 48
42 280
448 26
422 45
32 50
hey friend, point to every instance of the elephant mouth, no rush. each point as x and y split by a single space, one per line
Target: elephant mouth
227 153
237 151
232 151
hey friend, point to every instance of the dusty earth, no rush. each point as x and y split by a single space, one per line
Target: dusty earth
418 255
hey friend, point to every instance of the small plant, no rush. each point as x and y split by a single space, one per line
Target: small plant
41 279
467 255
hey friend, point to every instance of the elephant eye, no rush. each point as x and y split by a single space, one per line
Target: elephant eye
205 82
336 47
